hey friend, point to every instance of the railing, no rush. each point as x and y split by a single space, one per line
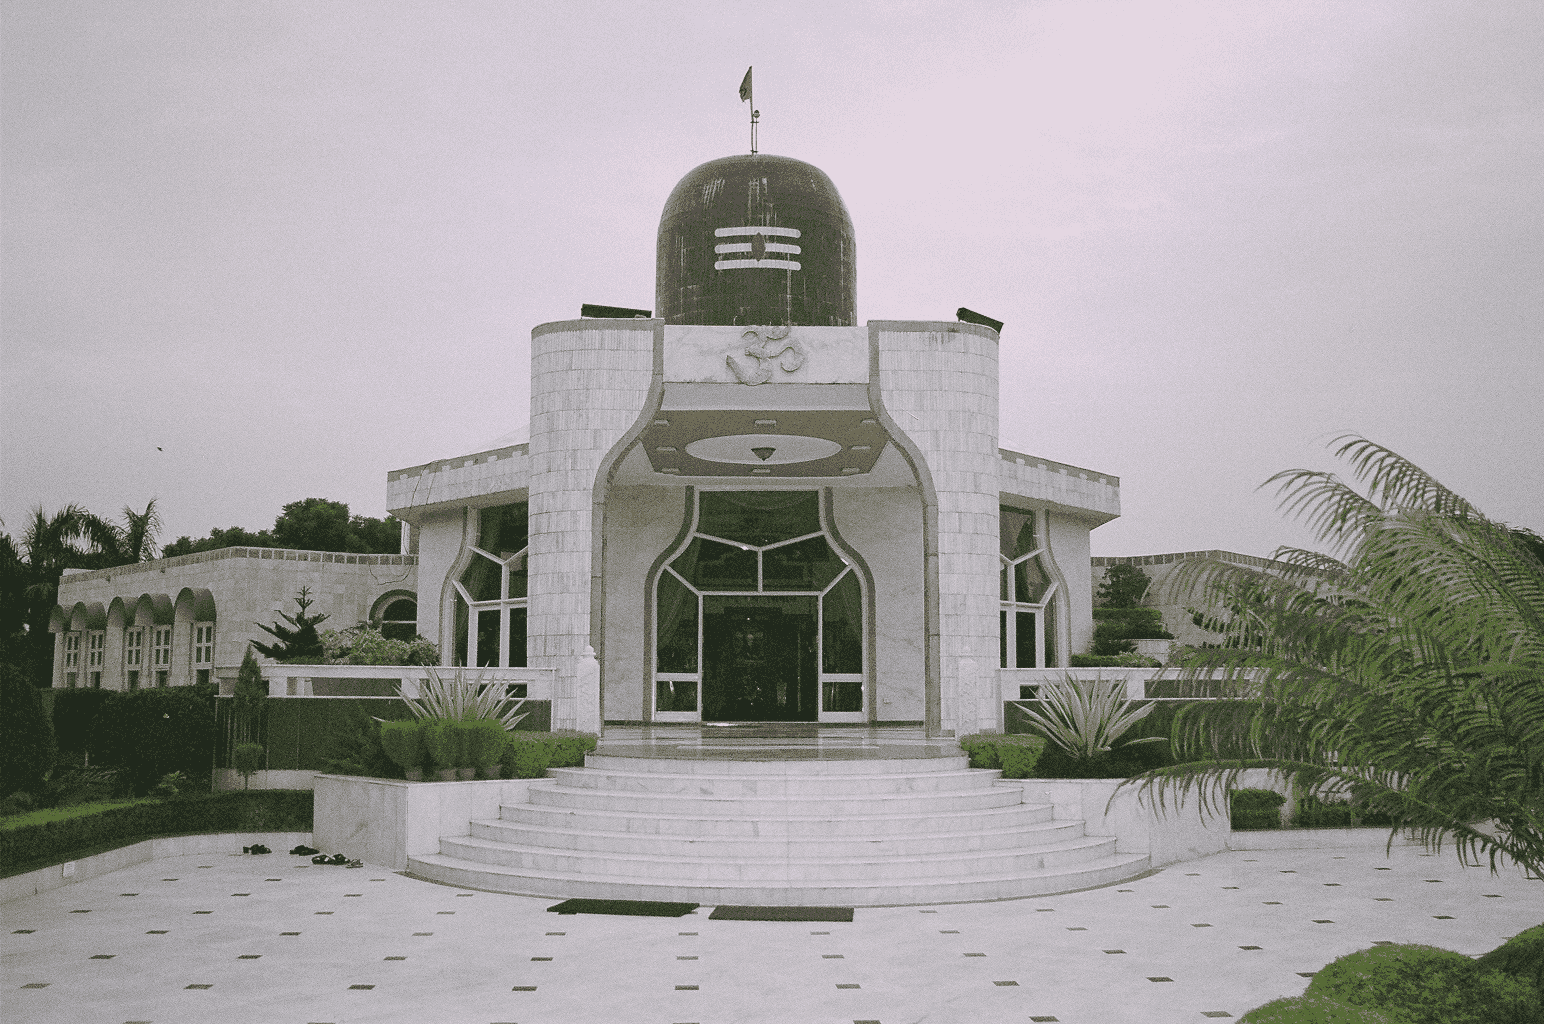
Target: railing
299 681
1015 682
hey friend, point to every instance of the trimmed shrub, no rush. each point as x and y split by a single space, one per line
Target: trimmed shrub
355 749
27 747
74 711
1425 984
402 743
1318 1010
438 743
1015 755
248 759
1115 628
1521 957
1128 660
484 742
528 755
1255 808
146 734
54 842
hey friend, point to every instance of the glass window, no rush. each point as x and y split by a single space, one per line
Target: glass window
502 530
399 620
161 649
1028 594
72 650
491 594
759 518
203 645
517 634
676 616
709 565
133 647
96 644
488 638
805 565
841 632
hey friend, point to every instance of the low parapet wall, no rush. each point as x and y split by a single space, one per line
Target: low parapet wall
1175 832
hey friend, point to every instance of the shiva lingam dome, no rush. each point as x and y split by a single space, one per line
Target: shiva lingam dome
756 239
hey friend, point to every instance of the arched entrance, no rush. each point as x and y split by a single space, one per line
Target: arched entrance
758 616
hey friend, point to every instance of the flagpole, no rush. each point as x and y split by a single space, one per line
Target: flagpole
747 94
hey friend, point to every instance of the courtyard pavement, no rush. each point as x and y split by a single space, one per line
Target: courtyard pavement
276 940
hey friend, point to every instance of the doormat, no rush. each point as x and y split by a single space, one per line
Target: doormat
623 908
781 914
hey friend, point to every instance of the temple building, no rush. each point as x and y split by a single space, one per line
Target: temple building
743 505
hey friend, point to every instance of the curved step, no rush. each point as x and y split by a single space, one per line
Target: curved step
775 806
704 824
722 847
736 785
1105 871
775 764
774 866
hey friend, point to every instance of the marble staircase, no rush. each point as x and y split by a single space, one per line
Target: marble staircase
857 832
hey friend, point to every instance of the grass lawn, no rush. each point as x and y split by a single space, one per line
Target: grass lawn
47 814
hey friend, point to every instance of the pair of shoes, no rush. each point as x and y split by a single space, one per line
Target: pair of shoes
355 864
303 851
257 848
336 859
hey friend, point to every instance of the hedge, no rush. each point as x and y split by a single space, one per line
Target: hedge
73 712
528 755
147 733
1423 983
1015 755
1255 808
26 735
54 842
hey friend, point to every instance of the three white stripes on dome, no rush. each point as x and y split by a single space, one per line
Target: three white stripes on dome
764 254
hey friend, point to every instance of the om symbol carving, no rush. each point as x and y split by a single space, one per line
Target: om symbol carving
768 347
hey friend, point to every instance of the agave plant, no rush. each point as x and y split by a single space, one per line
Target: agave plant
455 696
1087 717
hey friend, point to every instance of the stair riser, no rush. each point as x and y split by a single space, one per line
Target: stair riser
798 787
708 871
745 828
719 848
578 799
914 892
827 768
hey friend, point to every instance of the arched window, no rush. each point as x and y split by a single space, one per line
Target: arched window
491 605
399 619
758 616
1027 620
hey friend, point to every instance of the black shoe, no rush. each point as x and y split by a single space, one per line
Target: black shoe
303 851
319 859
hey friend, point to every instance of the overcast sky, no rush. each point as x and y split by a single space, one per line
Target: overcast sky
260 252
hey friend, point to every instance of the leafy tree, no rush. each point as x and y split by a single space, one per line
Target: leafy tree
251 692
1123 587
1406 666
26 735
314 524
299 642
71 538
234 537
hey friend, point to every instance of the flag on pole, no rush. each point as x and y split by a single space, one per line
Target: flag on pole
745 86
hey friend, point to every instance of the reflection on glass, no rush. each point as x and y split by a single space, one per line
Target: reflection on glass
675 695
709 565
808 565
841 696
517 620
481 579
758 517
488 638
1029 581
518 576
842 627
502 530
1050 635
677 618
459 657
1002 638
1024 640
1017 528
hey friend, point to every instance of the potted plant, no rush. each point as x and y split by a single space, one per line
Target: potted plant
404 745
1086 718
446 706
486 746
439 745
461 739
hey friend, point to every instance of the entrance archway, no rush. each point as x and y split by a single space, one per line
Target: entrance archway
758 616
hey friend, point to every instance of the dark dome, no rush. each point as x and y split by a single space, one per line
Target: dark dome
756 240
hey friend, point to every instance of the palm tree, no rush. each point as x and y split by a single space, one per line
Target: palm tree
1405 667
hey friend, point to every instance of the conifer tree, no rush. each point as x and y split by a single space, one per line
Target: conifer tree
298 642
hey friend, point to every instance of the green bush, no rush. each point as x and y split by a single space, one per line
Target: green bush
1317 1010
356 749
27 746
439 743
1427 985
402 743
74 711
485 742
1015 755
528 755
1255 808
34 846
1521 957
147 733
1122 762
1115 628
247 759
